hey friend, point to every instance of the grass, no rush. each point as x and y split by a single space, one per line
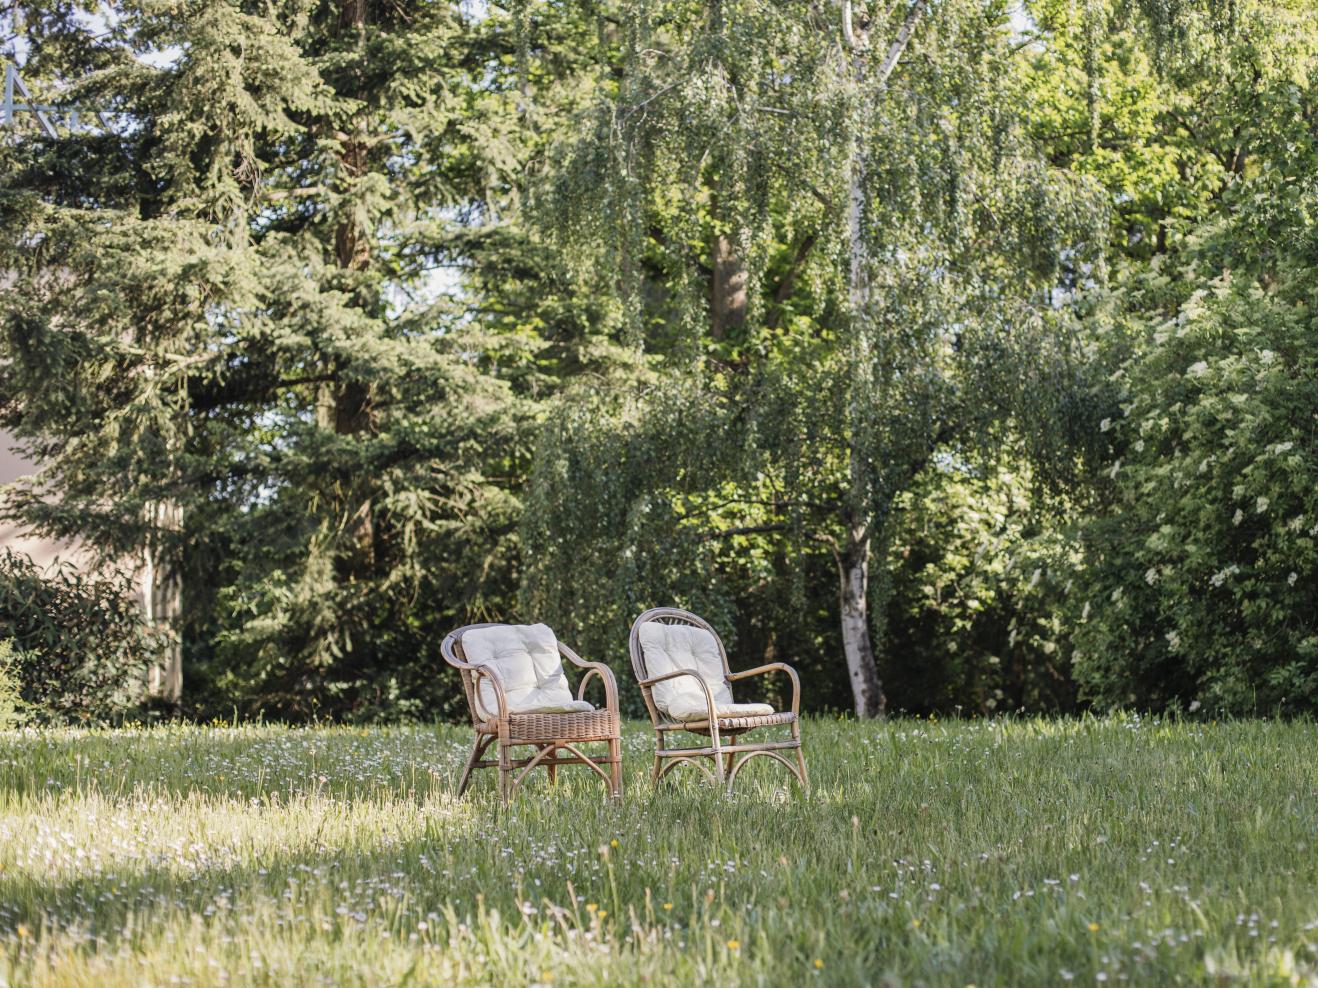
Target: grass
1002 852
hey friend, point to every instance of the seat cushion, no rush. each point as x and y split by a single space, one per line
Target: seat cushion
525 658
669 647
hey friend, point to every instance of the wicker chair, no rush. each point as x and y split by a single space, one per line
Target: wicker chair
550 733
723 729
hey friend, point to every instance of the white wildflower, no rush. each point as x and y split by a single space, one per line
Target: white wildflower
1173 639
1198 368
1195 705
1151 575
1105 425
1261 505
1238 517
1267 356
1220 577
1290 580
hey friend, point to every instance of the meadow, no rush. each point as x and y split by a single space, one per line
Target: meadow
1003 852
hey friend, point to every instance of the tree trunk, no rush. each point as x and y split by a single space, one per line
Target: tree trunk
349 412
854 572
162 603
728 288
853 561
853 567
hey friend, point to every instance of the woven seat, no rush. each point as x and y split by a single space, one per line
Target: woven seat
734 723
592 725
682 669
515 674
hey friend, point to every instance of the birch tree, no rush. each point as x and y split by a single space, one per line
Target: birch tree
899 235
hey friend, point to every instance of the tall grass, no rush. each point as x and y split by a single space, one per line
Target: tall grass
1003 852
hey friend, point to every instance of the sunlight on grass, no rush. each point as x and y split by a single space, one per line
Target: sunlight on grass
1001 852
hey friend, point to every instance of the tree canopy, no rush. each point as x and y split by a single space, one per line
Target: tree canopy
953 350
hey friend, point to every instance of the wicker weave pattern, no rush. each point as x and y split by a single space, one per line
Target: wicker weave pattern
726 751
595 725
550 734
726 724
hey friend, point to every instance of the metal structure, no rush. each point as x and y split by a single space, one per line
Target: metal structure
18 99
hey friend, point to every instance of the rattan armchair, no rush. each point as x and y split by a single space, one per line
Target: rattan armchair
551 734
725 730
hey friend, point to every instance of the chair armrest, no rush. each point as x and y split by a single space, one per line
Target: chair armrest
500 698
774 667
593 669
704 687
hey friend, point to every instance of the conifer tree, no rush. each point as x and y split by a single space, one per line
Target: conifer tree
233 338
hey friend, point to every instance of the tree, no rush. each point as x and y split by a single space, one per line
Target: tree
1197 585
230 341
900 236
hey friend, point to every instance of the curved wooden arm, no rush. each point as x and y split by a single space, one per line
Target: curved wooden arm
774 667
704 686
500 698
593 669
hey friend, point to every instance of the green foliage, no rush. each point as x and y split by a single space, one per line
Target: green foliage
1200 568
977 621
13 708
77 646
239 317
746 125
226 335
1201 579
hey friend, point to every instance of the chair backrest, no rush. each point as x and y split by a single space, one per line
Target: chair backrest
644 669
528 659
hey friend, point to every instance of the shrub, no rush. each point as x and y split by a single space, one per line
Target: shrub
80 646
1200 584
13 711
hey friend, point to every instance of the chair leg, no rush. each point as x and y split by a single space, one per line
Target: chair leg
505 773
553 769
717 745
658 747
615 769
800 756
477 749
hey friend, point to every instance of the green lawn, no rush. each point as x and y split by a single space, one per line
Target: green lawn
1008 852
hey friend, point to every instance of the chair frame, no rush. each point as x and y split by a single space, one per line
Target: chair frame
728 755
550 733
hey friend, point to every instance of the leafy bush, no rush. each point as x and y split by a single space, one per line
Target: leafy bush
80 647
975 621
1201 582
13 711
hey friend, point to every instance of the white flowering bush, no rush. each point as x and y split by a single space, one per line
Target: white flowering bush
1201 580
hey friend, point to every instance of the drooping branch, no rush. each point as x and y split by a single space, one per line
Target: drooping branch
898 44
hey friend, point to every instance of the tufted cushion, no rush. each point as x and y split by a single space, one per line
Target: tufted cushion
669 647
525 658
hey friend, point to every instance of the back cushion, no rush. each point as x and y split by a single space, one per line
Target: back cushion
526 659
668 647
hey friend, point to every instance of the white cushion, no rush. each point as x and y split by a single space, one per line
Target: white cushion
669 647
525 658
